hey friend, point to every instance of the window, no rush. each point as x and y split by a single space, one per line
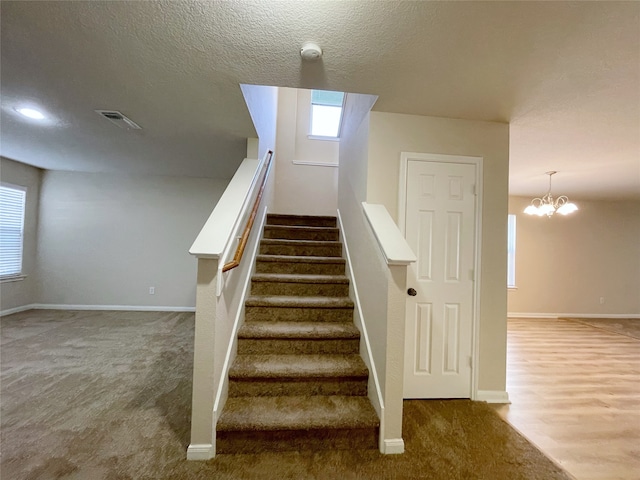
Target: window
511 252
12 201
326 113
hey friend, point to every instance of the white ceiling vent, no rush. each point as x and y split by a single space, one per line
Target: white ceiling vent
119 119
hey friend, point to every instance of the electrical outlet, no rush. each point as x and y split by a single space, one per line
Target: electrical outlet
601 300
152 290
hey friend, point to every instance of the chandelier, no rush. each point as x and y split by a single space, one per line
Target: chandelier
547 205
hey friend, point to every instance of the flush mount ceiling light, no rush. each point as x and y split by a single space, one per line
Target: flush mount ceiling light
31 113
548 206
310 52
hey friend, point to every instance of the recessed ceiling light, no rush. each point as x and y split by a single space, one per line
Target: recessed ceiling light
31 113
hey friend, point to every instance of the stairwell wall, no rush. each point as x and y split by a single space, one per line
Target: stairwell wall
303 189
218 318
379 287
262 102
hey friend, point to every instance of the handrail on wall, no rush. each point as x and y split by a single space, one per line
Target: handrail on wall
237 257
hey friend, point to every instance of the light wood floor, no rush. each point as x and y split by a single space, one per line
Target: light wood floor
575 393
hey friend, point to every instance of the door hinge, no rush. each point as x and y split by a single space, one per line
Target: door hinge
470 362
472 274
474 190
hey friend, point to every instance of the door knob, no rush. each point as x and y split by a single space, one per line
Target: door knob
412 292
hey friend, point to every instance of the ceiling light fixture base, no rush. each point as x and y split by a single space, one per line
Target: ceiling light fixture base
310 52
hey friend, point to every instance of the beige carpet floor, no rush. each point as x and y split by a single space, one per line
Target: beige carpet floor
629 327
107 395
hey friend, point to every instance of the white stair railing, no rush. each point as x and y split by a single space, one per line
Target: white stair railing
220 292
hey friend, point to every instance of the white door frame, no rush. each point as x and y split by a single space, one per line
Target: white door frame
405 157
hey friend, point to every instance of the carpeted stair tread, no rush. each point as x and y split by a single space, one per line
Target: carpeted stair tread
300 259
299 278
297 413
299 232
310 264
309 220
297 366
307 285
323 248
298 330
302 243
302 228
298 301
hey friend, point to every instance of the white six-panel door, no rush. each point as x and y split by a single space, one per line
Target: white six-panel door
440 227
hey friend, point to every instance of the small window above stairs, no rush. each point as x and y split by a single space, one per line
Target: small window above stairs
298 381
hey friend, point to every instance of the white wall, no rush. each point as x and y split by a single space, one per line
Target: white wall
23 292
105 239
302 189
565 264
389 135
262 102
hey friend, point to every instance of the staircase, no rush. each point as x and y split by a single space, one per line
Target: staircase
298 381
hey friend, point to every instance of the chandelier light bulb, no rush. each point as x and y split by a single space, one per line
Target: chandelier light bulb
567 208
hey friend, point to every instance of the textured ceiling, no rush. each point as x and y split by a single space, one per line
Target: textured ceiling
566 75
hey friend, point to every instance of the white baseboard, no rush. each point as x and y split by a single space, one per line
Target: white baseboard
203 451
124 308
598 315
393 446
493 396
22 308
572 315
531 315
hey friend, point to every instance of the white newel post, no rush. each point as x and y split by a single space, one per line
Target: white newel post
203 436
398 255
396 307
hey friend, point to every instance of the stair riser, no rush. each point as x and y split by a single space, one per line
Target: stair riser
297 387
295 440
290 314
300 289
302 250
300 234
297 347
300 268
302 221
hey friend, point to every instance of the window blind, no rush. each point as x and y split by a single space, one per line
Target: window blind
12 202
324 97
